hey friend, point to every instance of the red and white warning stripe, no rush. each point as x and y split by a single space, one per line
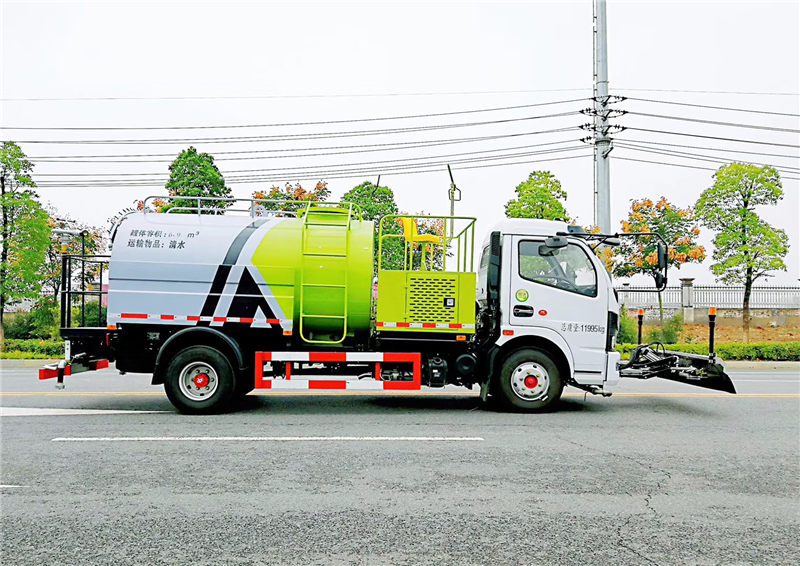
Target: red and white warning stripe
134 317
433 325
352 383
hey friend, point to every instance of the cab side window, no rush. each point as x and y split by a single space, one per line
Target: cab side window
569 268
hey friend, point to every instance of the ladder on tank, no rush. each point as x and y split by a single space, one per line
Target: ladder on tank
336 220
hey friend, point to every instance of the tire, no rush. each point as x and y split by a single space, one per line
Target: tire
200 380
528 381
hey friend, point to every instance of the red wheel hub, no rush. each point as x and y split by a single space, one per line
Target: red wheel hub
200 380
531 382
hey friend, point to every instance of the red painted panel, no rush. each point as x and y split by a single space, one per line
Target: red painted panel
327 384
132 315
327 357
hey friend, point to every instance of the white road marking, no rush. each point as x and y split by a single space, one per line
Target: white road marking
270 439
766 381
12 486
28 412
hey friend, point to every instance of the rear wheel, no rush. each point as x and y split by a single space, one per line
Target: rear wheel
199 380
529 380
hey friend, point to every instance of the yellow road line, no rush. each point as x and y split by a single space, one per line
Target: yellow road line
397 394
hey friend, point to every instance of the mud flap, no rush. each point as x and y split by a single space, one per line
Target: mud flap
702 371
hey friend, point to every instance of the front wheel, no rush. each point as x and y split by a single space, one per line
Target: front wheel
200 380
529 381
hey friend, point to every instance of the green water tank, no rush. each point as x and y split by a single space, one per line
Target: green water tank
319 267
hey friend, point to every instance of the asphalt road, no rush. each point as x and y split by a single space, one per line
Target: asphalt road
660 474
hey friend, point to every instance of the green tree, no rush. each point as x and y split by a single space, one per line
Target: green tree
678 227
25 230
540 196
194 174
89 239
375 203
746 248
290 192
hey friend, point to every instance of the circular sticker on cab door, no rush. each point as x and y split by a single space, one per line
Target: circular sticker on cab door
522 295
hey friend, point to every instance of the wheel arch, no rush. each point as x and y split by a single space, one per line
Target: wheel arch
197 336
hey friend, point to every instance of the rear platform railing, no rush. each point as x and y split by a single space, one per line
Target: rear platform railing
429 234
81 277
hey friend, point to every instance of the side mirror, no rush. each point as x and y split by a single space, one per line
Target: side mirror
556 242
660 280
662 257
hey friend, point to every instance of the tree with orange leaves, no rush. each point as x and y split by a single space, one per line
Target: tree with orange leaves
678 227
290 192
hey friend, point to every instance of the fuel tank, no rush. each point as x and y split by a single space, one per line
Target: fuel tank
309 275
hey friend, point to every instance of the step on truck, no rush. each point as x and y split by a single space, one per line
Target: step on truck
284 295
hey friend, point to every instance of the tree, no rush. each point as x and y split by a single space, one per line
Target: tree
290 192
376 202
678 227
25 231
746 248
540 196
194 174
89 239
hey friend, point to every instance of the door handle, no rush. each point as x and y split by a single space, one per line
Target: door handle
522 310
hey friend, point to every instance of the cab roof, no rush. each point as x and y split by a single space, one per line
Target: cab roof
529 227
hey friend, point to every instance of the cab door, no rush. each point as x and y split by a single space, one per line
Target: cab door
561 289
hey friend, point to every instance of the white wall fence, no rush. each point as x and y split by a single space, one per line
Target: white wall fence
703 296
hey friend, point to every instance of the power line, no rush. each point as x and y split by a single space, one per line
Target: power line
683 165
706 91
677 103
697 157
707 148
286 178
369 148
462 154
287 96
710 137
283 124
714 122
321 170
288 137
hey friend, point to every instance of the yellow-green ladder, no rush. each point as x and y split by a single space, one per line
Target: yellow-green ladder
337 214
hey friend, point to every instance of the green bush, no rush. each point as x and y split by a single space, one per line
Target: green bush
23 356
42 322
765 351
628 327
669 333
51 348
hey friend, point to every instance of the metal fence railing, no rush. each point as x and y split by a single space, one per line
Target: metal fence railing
719 296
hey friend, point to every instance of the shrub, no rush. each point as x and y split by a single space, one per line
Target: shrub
628 327
42 322
51 348
765 351
669 333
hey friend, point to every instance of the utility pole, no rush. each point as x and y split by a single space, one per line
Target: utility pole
454 194
602 142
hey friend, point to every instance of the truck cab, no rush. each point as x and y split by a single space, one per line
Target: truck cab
556 298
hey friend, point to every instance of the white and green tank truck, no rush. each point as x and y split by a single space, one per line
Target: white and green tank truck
215 305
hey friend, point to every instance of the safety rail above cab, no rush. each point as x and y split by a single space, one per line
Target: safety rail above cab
426 282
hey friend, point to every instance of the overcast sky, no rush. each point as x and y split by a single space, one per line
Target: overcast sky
139 64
